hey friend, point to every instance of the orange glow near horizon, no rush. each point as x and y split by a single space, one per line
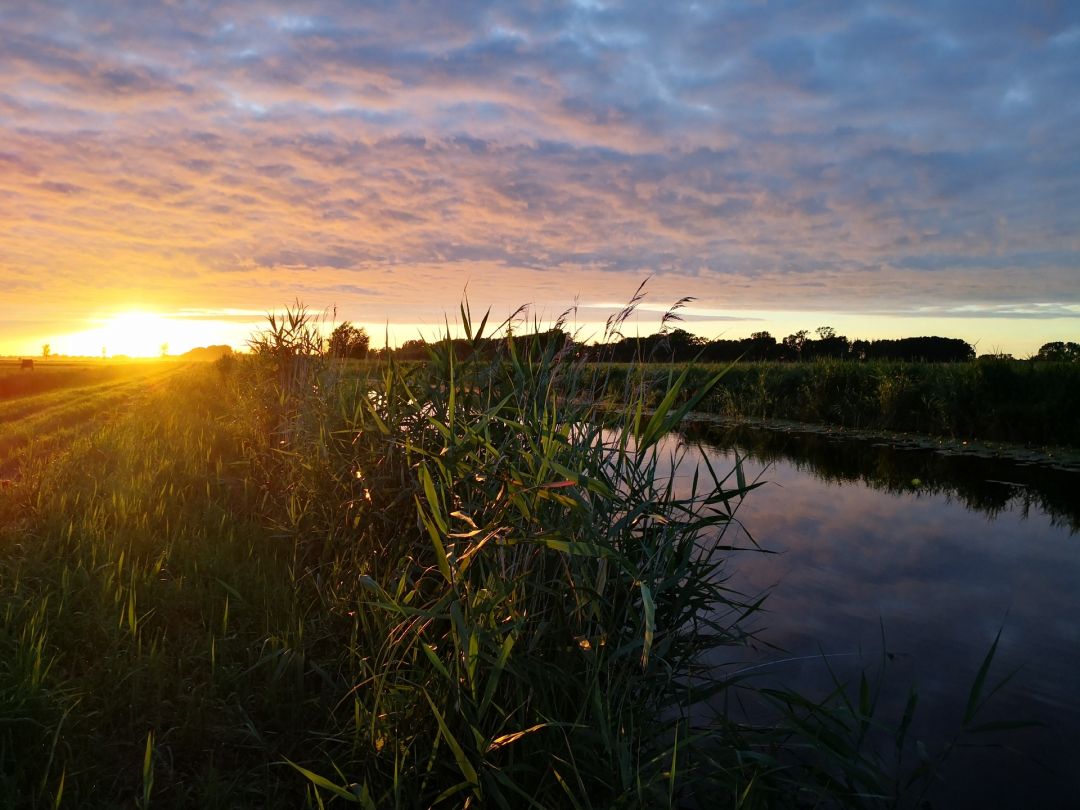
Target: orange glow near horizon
141 333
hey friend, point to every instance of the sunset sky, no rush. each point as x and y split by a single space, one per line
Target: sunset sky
169 172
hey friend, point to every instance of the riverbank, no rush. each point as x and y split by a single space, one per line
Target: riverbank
986 401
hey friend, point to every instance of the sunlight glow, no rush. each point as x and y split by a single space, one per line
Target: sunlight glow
139 333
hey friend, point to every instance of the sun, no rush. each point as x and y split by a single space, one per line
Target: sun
132 333
138 333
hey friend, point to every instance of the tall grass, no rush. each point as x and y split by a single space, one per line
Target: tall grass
119 561
33 426
528 596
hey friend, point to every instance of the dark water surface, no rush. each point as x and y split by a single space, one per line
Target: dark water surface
940 551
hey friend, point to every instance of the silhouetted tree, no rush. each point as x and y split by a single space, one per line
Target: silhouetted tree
930 349
761 346
829 344
46 350
550 343
349 341
207 353
416 349
793 345
678 345
1059 351
724 351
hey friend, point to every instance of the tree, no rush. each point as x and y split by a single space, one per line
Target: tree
762 346
828 344
793 345
1059 351
929 349
46 350
681 345
414 349
349 341
164 349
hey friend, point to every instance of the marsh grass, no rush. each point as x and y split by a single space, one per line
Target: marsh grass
290 581
527 595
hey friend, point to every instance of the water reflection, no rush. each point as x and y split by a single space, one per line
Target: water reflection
987 485
940 553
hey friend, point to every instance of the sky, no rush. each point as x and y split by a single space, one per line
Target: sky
170 172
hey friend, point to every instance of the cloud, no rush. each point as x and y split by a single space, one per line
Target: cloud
855 157
1034 311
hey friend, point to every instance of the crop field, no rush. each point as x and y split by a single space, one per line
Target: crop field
279 581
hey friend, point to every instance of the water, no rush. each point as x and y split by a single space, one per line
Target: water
942 552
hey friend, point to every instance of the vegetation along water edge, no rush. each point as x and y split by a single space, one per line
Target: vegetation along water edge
285 580
990 400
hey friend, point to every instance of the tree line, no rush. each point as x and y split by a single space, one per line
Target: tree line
677 345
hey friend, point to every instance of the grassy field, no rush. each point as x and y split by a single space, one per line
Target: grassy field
55 375
276 582
34 424
1001 400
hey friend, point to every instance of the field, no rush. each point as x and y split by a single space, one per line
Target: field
51 375
276 581
43 410
1023 402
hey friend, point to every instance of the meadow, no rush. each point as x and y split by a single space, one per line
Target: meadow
52 375
43 410
285 581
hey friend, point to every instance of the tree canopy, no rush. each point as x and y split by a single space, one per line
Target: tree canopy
349 341
1059 351
678 345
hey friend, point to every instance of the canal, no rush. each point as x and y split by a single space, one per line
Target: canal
906 563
